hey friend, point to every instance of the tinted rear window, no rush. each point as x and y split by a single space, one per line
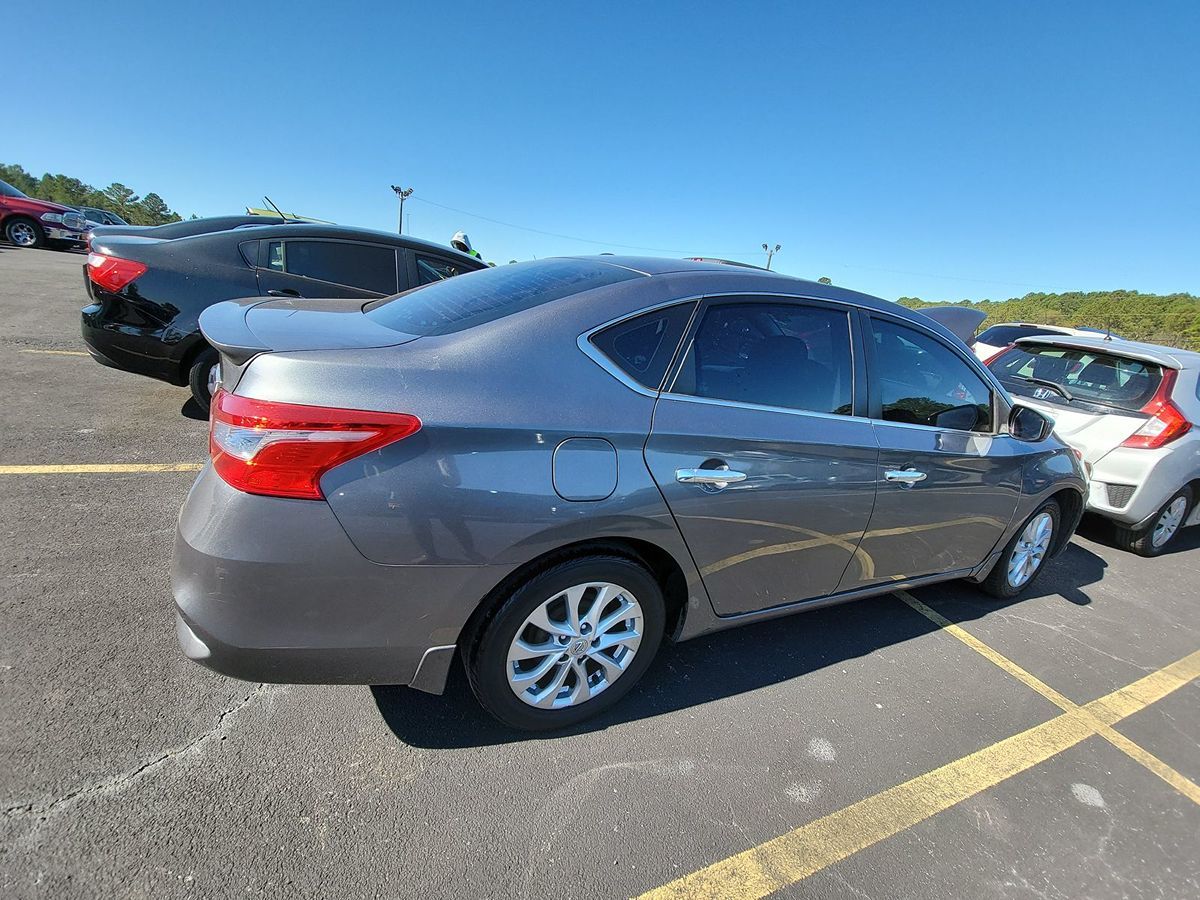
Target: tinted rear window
1000 335
484 296
1088 375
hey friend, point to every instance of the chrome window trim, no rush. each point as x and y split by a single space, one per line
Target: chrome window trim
737 404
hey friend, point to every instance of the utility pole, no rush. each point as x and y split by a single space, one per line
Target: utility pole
403 194
771 253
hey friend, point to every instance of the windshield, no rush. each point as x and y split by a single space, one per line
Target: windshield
1088 375
465 301
7 190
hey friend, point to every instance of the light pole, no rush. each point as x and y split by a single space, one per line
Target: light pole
770 253
403 194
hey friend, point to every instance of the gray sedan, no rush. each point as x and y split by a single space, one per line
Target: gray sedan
547 468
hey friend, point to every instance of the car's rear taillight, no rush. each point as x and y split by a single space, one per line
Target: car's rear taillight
111 272
1166 423
999 353
283 449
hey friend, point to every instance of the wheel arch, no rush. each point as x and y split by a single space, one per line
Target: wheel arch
661 564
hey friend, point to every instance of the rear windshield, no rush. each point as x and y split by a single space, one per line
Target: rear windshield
1001 335
472 299
1096 377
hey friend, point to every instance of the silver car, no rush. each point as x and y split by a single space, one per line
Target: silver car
545 469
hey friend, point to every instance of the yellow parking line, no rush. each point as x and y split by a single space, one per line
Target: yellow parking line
1100 725
794 856
101 468
60 352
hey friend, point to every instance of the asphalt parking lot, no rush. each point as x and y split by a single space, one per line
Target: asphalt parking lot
938 744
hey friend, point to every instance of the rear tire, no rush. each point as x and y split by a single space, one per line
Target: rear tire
1024 557
24 232
1155 538
200 377
632 606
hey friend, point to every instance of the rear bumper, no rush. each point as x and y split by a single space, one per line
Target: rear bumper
140 351
1130 485
271 589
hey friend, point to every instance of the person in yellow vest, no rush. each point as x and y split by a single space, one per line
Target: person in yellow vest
461 242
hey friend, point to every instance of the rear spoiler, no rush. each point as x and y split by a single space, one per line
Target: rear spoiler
961 321
224 327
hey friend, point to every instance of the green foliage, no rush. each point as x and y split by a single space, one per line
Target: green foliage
149 210
1171 319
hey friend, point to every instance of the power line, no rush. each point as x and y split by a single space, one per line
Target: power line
570 237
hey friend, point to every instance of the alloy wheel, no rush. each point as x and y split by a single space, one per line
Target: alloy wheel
214 378
575 645
1030 549
22 234
1170 520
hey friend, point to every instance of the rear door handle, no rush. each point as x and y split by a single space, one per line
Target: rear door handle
283 292
718 478
904 477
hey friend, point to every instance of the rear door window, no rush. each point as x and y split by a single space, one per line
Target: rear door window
785 355
366 266
1066 374
924 382
642 347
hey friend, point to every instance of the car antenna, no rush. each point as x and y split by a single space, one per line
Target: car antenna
271 204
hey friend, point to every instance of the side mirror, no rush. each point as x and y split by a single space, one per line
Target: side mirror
1026 424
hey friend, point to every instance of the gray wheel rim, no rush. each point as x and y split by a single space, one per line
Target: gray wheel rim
1168 523
22 234
574 645
1030 550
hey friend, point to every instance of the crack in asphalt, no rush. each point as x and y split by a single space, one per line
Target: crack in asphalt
114 783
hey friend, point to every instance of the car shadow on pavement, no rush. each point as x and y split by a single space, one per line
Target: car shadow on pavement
1101 530
748 658
192 410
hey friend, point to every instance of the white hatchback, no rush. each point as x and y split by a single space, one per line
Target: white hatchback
1129 410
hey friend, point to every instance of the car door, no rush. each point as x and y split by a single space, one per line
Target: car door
949 482
308 267
762 449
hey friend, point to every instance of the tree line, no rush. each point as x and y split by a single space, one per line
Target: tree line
1171 319
148 210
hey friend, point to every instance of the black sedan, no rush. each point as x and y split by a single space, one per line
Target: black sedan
146 293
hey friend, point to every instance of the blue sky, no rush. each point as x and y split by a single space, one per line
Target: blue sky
943 150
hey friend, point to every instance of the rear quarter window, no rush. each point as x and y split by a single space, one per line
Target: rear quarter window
643 347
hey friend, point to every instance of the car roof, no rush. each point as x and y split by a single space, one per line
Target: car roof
1160 355
695 278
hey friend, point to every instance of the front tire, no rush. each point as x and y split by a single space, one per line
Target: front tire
567 644
1154 538
23 232
203 375
1025 555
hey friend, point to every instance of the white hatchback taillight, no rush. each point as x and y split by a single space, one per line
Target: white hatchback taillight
1166 423
283 449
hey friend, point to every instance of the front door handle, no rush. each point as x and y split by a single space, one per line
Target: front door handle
283 292
904 477
718 477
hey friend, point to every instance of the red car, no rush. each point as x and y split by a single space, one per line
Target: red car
27 222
